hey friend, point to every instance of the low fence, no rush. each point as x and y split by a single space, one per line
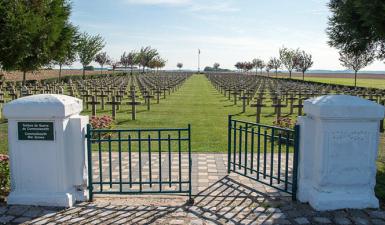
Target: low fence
139 161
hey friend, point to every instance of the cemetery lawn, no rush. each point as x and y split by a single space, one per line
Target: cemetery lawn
373 83
197 103
3 137
380 186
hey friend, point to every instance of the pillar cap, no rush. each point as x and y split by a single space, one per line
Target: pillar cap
43 106
344 107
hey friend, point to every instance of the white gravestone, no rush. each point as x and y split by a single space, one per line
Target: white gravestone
339 139
47 150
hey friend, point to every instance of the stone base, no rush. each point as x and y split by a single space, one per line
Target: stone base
322 201
41 199
81 196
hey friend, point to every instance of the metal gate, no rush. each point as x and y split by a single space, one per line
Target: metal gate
267 154
139 161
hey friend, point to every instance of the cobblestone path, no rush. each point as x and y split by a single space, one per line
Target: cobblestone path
219 199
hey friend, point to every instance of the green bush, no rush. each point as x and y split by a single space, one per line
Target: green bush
4 175
91 68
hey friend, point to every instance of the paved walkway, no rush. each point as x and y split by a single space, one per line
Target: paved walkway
207 169
220 199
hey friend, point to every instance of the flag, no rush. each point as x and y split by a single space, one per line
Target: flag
199 51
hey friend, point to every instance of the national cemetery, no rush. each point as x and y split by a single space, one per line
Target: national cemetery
134 143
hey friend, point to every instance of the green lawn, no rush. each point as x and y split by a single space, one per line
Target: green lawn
373 83
197 103
3 138
380 187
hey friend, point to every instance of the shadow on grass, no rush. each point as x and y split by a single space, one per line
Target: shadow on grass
237 114
120 122
270 115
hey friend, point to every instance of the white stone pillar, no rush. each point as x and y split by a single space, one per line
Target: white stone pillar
339 139
47 150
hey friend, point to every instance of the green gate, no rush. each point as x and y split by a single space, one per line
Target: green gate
139 161
266 154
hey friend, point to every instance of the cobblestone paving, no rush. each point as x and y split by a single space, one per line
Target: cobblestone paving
206 170
226 199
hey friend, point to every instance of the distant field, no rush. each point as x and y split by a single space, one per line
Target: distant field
334 75
364 80
361 82
45 74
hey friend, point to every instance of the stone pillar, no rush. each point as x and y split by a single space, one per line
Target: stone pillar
339 139
47 150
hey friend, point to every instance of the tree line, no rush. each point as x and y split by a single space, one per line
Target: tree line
290 59
146 57
38 34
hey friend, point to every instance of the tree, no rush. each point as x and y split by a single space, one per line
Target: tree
357 25
65 48
131 60
258 64
248 66
261 65
88 47
269 66
114 64
179 65
288 58
103 59
30 32
124 61
357 61
255 64
244 66
216 66
157 63
145 55
276 64
128 60
239 65
161 63
303 62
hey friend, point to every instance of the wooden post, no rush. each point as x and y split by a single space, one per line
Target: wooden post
102 95
244 98
133 103
148 97
114 103
258 105
93 104
278 106
299 106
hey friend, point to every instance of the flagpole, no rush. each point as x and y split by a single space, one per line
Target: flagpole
199 54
